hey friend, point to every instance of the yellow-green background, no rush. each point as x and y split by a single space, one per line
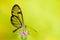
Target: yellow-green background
42 15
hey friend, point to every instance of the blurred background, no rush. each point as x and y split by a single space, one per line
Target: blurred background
40 15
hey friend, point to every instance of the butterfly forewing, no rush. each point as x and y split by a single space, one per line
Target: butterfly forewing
15 10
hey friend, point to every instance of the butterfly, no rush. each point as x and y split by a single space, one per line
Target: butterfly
17 17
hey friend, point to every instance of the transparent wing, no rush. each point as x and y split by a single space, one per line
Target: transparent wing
21 18
15 21
17 17
16 10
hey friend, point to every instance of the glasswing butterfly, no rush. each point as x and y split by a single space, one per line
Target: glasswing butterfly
17 21
17 17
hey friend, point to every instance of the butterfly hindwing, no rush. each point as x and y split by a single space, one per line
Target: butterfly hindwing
15 21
